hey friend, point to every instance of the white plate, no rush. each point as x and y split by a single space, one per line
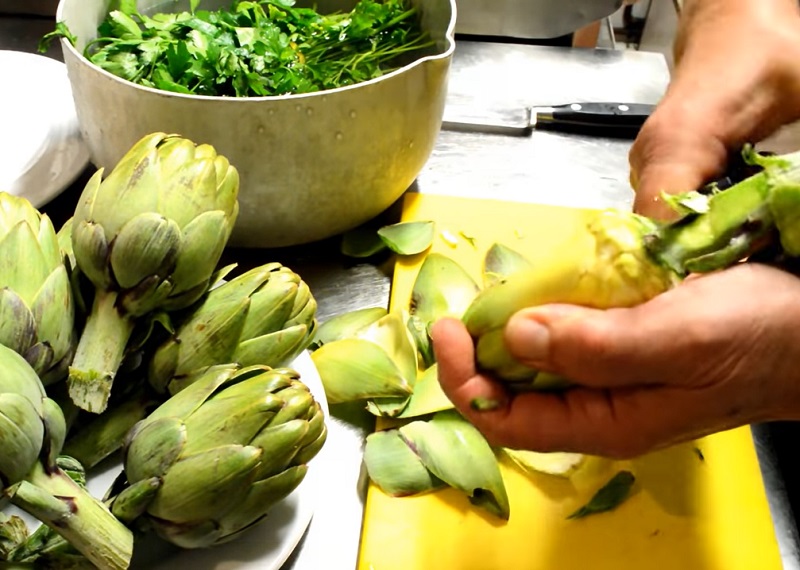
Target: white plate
41 148
266 546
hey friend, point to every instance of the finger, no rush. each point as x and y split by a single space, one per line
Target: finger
455 357
620 423
674 152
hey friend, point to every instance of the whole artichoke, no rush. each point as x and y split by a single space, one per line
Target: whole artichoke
264 316
36 304
148 237
214 458
32 431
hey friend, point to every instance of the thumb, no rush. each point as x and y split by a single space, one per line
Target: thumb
598 348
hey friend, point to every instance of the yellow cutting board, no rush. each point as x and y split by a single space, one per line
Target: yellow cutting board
686 512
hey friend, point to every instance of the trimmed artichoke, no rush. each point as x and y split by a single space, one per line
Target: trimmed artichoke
623 259
212 460
264 316
148 237
36 304
33 431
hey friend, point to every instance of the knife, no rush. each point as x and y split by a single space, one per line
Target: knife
618 120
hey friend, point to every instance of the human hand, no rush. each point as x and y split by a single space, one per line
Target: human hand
736 80
717 352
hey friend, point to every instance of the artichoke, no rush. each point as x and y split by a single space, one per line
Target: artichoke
36 303
33 430
623 259
264 316
212 460
148 237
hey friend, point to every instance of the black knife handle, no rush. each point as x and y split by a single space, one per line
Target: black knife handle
610 119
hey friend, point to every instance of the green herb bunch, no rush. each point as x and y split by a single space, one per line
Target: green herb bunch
257 48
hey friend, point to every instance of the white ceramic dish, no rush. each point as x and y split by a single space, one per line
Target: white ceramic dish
40 141
267 546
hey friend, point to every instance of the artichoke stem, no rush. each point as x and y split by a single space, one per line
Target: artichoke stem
82 520
99 353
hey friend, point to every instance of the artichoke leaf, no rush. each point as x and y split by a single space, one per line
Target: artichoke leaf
206 485
442 288
387 407
346 325
501 261
155 448
358 369
428 396
455 451
390 333
408 238
394 467
608 497
361 242
562 464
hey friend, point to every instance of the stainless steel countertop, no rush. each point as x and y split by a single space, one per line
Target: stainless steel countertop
544 167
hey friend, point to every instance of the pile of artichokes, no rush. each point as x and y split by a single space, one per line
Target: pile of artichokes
120 333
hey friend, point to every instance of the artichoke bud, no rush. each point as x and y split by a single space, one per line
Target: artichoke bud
133 501
146 245
91 252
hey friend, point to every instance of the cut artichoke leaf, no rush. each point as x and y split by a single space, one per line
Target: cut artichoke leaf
608 497
562 464
387 407
361 242
391 334
358 369
428 396
346 325
442 288
420 333
408 238
394 467
446 444
501 261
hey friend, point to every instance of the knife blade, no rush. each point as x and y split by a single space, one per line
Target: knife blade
605 119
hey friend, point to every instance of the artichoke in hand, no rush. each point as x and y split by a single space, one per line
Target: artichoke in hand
148 237
210 462
623 259
36 304
33 431
265 316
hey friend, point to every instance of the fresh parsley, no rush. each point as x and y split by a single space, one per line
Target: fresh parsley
257 48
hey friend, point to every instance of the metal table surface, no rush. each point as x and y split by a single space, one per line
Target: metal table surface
544 167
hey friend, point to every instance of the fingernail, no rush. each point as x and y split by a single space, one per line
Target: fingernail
481 404
528 337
